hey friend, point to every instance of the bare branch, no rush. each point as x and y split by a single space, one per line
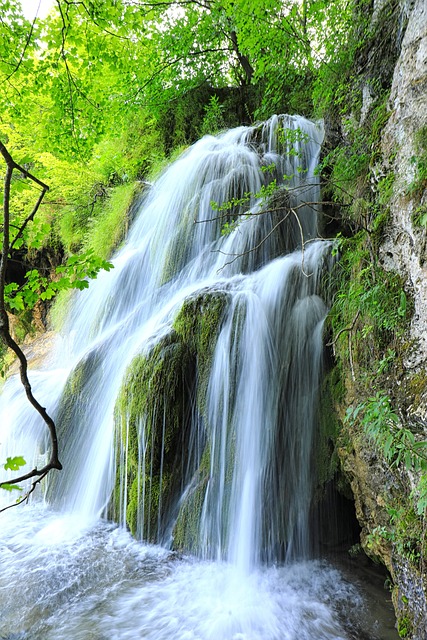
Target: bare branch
302 242
53 462
269 234
29 218
25 497
341 331
171 63
14 165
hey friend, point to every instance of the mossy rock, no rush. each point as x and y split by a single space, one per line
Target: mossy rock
197 325
186 532
152 417
325 456
161 396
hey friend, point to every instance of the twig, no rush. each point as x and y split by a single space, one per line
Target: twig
252 249
350 354
30 218
25 47
302 243
29 492
350 329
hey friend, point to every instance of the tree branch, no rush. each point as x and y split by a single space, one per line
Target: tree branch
236 256
53 462
27 42
29 492
341 331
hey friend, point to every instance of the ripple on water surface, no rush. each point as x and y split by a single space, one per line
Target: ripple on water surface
64 580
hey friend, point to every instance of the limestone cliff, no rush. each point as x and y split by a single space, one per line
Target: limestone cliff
404 248
385 494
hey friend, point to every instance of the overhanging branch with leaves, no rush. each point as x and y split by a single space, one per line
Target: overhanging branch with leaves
5 335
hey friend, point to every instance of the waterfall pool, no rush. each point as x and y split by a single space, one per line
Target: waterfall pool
62 579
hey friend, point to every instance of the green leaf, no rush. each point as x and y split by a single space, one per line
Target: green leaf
13 464
16 303
10 487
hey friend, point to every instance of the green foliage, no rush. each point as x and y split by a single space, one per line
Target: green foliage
91 91
213 120
289 138
360 59
385 188
229 227
73 274
420 216
108 229
10 487
69 115
90 70
237 209
12 464
404 626
369 303
381 424
400 448
403 532
348 167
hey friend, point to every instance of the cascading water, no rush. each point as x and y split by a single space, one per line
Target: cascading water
246 435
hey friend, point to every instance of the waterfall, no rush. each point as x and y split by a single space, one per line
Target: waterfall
184 386
261 396
262 408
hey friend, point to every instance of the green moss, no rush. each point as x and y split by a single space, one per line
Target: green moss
133 507
416 387
326 460
177 250
154 414
197 325
76 397
385 188
404 626
419 160
186 533
371 309
146 497
108 229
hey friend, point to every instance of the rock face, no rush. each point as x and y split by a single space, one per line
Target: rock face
399 540
404 250
404 147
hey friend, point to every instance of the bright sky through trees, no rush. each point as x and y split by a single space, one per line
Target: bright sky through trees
41 8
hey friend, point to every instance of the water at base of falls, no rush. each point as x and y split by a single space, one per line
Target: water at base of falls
66 580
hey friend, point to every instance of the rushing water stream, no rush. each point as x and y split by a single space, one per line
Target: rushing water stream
66 572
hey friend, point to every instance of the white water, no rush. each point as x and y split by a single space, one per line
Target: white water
67 574
60 581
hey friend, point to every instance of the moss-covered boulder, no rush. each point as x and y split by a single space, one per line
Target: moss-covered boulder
159 422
